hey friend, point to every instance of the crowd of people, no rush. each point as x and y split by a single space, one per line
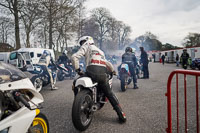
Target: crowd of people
184 59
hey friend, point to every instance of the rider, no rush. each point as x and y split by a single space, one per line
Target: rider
184 57
44 61
66 61
97 68
129 58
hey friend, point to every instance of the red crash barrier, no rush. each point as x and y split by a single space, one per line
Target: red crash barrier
169 100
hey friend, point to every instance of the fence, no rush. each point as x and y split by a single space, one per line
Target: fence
169 99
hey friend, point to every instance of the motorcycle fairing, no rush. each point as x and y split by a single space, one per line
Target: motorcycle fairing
23 84
19 121
125 66
85 82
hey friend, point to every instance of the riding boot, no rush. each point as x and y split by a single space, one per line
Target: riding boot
135 86
120 113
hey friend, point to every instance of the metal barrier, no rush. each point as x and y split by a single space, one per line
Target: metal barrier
169 104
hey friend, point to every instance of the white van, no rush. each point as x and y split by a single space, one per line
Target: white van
4 56
25 57
35 53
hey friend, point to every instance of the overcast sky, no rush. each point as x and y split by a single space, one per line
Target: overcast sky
170 20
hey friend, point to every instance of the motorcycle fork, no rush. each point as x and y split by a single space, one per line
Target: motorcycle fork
94 96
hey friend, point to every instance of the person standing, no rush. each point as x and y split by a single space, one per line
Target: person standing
184 57
177 60
144 62
163 59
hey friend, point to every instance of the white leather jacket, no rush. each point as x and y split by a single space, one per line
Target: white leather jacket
93 56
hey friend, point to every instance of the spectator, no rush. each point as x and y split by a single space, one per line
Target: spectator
144 62
163 59
177 60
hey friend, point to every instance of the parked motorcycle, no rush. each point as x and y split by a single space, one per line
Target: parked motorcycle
195 63
65 72
88 99
41 77
19 103
124 76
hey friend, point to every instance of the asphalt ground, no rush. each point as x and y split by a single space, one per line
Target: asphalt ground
145 108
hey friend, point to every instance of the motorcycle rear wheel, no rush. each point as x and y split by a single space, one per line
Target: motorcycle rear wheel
40 124
60 75
123 82
81 110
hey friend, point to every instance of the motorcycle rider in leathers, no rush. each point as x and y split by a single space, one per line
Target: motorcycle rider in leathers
44 61
129 58
97 68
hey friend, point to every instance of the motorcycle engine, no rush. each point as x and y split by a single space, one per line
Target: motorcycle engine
1 104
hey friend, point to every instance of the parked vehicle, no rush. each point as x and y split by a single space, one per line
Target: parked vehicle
124 76
19 103
20 60
4 57
195 63
26 57
88 99
41 77
36 53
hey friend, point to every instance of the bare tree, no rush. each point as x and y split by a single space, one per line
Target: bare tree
14 7
56 10
123 32
101 16
6 26
30 14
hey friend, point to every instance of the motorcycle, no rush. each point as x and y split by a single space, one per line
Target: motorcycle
19 103
195 64
41 76
65 72
125 76
88 99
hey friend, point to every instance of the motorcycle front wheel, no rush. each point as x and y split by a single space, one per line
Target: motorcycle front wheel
40 124
37 83
81 111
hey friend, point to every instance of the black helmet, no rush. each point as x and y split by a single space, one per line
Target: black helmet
128 49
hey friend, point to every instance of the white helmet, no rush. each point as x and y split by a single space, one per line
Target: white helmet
85 39
65 52
133 50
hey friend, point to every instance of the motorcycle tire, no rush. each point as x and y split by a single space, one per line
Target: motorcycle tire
37 83
60 75
123 82
40 124
185 66
81 110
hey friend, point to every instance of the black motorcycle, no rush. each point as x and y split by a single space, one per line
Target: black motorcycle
65 71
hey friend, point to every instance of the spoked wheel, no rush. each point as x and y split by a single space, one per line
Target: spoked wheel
81 111
37 83
40 124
